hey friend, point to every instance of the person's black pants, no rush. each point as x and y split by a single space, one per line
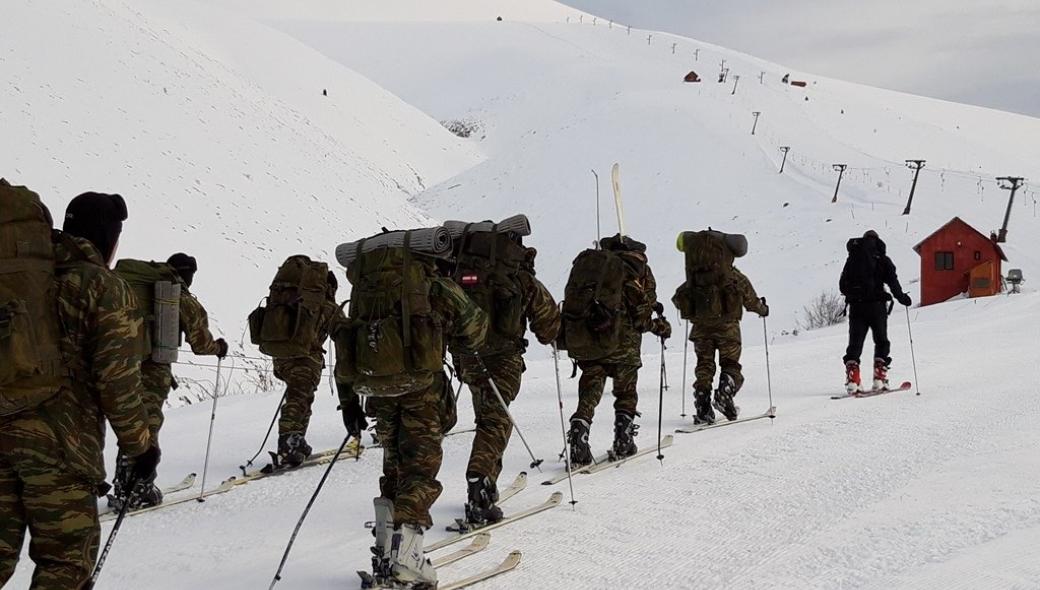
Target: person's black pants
873 317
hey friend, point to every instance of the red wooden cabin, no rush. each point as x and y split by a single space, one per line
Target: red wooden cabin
957 259
692 77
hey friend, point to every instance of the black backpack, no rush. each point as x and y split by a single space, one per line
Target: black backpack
859 279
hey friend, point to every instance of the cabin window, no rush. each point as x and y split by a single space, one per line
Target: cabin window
978 255
944 261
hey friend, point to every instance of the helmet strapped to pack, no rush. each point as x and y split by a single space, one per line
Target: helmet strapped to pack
708 293
32 369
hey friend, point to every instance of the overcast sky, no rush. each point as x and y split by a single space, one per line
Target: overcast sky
984 52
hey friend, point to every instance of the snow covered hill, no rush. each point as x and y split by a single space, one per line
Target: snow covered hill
210 117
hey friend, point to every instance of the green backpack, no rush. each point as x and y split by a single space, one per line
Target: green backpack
157 289
593 305
708 293
289 325
488 267
32 369
393 342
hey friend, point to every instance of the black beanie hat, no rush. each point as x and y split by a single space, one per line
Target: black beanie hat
185 265
97 217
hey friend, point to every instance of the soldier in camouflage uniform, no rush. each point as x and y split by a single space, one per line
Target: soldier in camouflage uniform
51 463
505 366
302 376
622 366
157 378
722 336
411 428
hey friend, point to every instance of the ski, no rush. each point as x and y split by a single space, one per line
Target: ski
604 458
480 543
509 564
665 442
554 500
518 485
352 451
222 488
180 486
615 180
904 386
770 413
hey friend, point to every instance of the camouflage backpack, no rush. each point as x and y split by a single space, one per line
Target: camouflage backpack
392 343
708 293
157 289
593 305
288 326
488 267
32 369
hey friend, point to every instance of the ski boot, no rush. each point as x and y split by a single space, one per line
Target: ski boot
148 495
292 449
625 431
383 531
483 494
702 404
724 397
852 382
880 375
578 438
409 566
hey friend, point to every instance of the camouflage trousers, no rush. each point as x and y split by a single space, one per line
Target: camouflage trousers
156 383
410 430
723 339
493 425
41 495
594 379
302 377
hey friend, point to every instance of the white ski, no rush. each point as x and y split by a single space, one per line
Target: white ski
604 458
770 413
509 564
553 501
518 485
480 543
352 451
222 488
615 179
904 386
665 442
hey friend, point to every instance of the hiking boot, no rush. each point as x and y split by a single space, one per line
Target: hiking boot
480 506
880 374
293 449
724 397
852 382
408 563
625 431
702 404
578 439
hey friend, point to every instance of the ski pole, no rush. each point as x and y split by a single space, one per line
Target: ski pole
913 357
563 428
660 404
685 359
769 376
112 536
270 427
535 463
209 438
310 503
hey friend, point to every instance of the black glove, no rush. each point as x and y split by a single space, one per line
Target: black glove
661 328
764 310
222 348
353 416
142 467
904 299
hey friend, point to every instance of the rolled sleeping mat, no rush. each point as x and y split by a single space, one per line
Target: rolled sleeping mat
737 243
430 241
517 224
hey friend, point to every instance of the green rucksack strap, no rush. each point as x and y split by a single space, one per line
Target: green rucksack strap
406 312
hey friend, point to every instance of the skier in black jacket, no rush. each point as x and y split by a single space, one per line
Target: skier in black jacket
867 271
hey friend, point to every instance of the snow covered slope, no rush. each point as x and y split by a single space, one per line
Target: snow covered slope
216 131
554 100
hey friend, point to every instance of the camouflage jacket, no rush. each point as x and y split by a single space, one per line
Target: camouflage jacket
748 298
195 325
465 324
540 309
100 343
